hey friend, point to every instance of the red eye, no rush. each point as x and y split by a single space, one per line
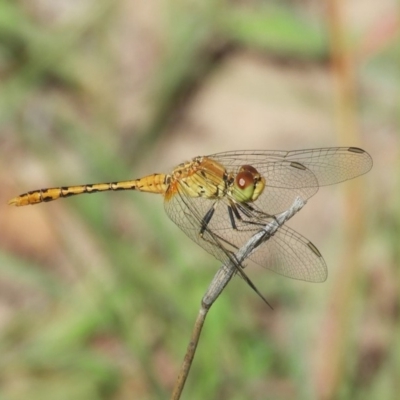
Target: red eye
248 168
244 179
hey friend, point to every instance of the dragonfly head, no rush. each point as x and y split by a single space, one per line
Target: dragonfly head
248 184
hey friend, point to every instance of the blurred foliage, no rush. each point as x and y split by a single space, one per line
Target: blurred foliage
107 312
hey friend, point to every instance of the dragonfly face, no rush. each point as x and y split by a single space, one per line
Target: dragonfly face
248 184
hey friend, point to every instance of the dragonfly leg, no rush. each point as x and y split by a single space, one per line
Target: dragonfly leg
233 211
232 218
262 214
207 218
234 214
204 230
248 207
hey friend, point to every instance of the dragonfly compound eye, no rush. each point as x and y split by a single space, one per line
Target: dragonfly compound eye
248 185
250 169
244 186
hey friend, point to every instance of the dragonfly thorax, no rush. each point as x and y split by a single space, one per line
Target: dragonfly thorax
200 177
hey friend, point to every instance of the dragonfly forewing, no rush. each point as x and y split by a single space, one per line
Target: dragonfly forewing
330 165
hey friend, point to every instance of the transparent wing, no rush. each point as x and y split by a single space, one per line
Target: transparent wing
330 165
286 253
290 254
289 174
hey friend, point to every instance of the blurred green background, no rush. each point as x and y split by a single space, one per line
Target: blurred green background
98 294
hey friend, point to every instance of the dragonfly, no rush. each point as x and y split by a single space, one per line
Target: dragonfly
220 201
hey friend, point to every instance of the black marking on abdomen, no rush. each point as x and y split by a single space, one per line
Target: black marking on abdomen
114 186
90 189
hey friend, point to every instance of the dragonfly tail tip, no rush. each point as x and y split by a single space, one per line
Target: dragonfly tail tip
13 202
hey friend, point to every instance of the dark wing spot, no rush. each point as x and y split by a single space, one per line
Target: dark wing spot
297 165
356 150
314 249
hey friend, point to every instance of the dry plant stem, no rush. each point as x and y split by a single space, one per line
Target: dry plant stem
218 284
334 332
343 73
